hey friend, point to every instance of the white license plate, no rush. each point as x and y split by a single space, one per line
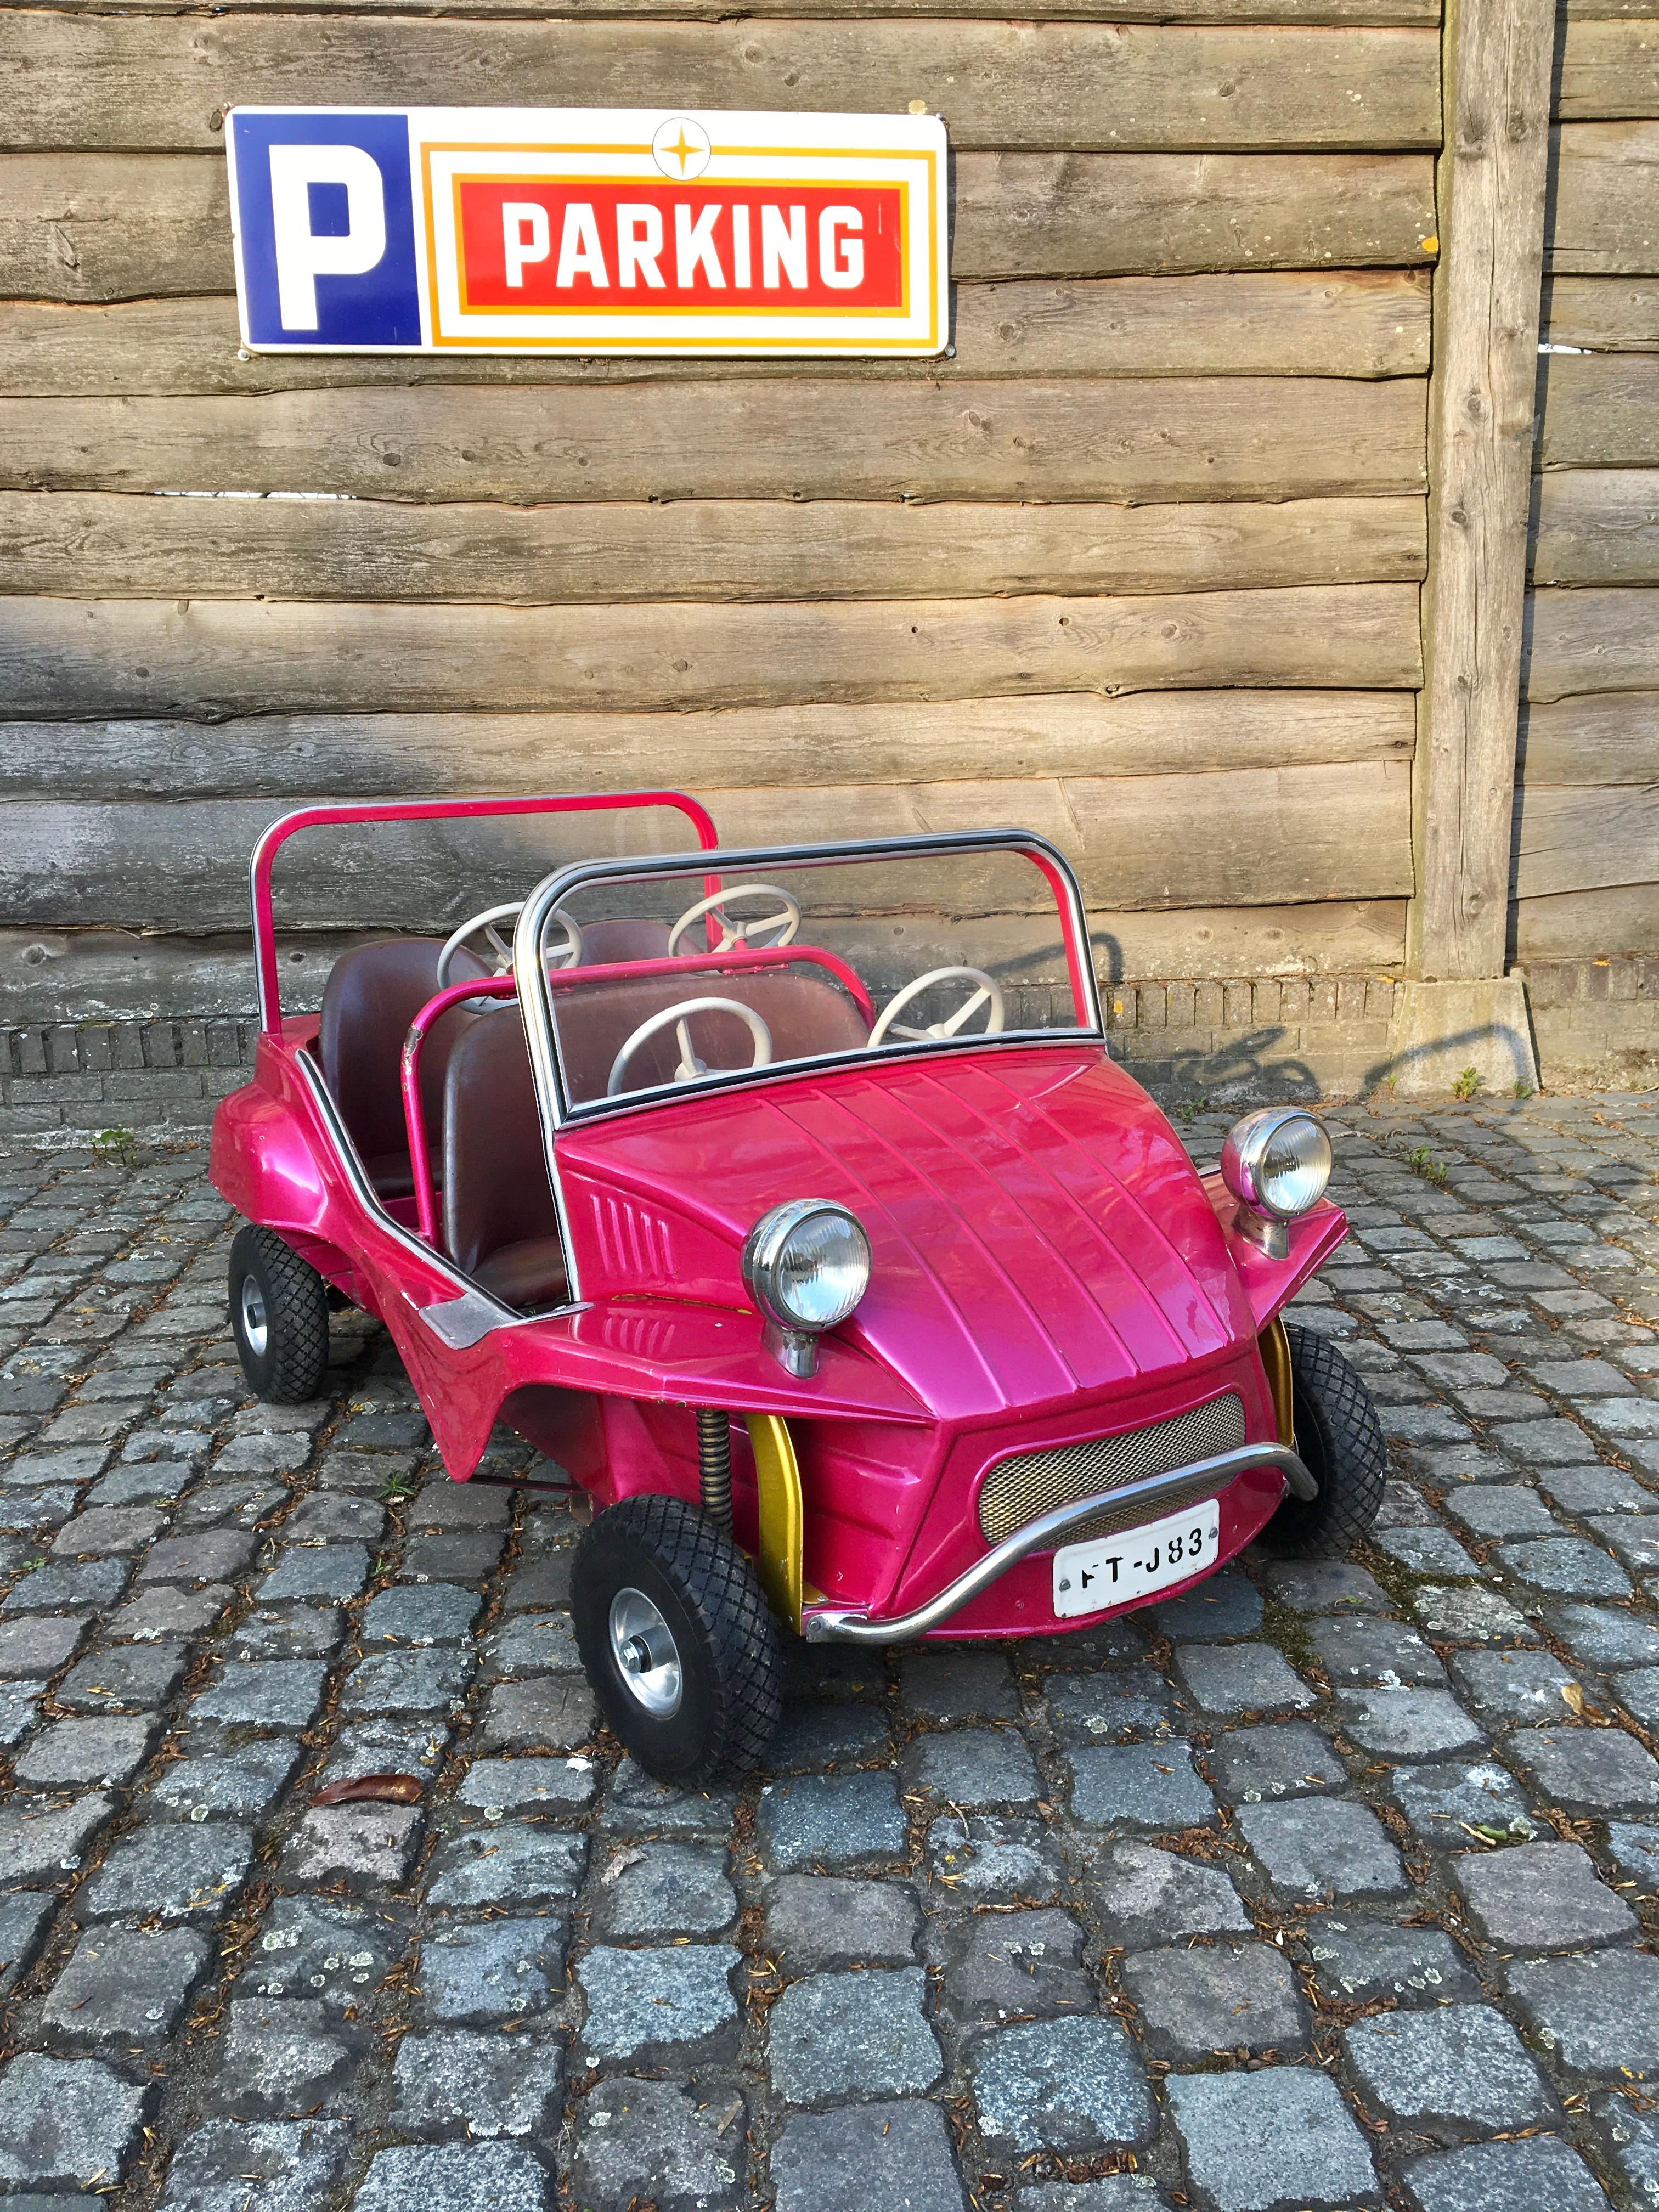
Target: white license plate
1114 1570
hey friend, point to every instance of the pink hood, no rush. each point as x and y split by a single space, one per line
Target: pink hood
1038 1232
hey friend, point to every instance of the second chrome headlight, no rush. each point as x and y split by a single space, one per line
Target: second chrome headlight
1276 1162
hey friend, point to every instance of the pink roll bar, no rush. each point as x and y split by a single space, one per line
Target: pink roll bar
424 810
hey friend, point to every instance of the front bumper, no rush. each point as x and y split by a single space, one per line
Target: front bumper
828 1625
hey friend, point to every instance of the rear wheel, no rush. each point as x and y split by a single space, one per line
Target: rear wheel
677 1640
1341 1442
278 1317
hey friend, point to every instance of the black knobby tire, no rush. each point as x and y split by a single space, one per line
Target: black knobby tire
268 1277
1341 1442
726 1641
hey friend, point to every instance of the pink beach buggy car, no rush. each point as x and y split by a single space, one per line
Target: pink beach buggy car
791 1200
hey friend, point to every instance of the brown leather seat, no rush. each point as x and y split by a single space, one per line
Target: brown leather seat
371 997
500 1224
605 941
805 1011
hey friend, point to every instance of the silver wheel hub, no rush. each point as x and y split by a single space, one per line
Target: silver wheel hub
255 1329
647 1658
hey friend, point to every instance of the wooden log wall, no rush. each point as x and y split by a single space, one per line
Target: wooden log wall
1138 565
1586 845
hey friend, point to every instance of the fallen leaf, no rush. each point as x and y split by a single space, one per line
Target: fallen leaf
1573 1696
371 1790
619 1866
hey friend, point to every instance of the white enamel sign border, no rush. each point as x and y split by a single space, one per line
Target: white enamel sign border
588 231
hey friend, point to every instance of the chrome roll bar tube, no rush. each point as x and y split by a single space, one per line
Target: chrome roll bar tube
1047 1530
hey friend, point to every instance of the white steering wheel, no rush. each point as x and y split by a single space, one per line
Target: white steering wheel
986 994
567 955
691 1067
786 921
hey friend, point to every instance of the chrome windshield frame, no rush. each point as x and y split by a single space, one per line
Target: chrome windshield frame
535 998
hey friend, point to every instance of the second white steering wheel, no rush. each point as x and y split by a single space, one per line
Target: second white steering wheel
690 1067
786 921
566 955
987 994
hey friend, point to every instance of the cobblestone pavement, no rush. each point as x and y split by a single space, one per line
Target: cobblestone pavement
1326 1886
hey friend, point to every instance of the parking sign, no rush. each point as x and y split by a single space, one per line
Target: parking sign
588 230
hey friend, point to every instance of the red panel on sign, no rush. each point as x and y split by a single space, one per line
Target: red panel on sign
529 242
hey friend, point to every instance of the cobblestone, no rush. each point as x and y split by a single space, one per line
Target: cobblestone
982 1888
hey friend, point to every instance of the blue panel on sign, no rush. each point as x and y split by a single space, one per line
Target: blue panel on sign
324 225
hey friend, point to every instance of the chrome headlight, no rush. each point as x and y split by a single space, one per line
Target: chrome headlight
1276 1162
807 1265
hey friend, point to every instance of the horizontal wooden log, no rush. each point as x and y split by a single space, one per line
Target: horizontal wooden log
157 82
1597 526
1083 215
1341 14
1580 838
1351 323
1606 314
1593 641
92 226
1607 69
206 659
1588 925
122 545
1605 217
1609 737
1056 735
1152 440
1249 836
1600 412
108 975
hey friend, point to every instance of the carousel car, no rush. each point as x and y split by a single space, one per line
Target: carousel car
791 1200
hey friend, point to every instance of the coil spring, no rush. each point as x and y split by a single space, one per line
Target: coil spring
714 1464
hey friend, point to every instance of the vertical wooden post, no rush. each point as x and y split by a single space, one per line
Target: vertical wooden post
1490 193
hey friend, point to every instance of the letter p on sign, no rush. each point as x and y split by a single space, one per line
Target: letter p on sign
304 254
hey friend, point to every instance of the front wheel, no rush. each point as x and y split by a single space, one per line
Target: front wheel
1341 1442
278 1317
677 1640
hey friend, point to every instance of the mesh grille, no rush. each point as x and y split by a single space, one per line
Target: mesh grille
1018 1490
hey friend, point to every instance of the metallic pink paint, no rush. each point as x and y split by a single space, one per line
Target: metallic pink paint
1048 1267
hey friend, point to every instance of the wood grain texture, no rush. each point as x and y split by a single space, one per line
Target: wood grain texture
1063 734
1605 217
1102 214
1481 400
114 975
119 545
1609 737
1609 68
1249 837
1580 925
205 660
1599 411
95 227
156 82
1582 838
1152 439
1593 641
1346 323
1597 526
1341 14
1608 314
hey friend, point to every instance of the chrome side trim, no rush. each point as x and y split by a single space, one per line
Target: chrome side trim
351 1166
1040 1536
464 1321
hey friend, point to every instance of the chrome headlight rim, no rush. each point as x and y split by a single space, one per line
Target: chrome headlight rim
765 1253
1243 1159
